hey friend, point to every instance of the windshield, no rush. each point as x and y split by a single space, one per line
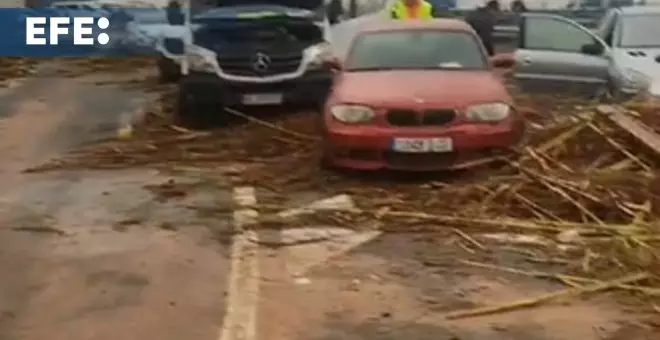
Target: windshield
639 31
415 50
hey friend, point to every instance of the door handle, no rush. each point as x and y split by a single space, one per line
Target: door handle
527 60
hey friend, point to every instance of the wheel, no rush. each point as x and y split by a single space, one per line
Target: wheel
320 107
610 94
168 71
324 162
192 113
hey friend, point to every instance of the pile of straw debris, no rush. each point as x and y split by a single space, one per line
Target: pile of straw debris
585 185
581 178
11 68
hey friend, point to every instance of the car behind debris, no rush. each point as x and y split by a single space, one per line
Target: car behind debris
621 58
418 96
255 53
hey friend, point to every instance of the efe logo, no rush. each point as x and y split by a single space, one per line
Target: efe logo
35 30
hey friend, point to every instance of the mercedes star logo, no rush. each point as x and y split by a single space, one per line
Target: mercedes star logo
261 62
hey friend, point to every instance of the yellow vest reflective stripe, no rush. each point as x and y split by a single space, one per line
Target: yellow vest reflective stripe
399 11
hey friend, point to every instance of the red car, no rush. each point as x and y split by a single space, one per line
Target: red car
417 96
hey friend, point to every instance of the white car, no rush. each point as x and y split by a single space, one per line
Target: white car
621 57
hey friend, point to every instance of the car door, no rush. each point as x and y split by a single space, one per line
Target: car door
555 54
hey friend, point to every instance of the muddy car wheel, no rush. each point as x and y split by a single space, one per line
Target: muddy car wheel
167 71
611 95
325 163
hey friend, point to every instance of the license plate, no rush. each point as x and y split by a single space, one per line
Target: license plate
262 99
417 145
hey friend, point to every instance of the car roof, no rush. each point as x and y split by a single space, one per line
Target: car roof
399 25
637 10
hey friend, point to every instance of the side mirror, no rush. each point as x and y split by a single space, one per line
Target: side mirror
594 48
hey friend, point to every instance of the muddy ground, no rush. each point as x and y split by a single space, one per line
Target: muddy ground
132 238
99 255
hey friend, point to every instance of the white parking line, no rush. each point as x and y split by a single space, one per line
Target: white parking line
240 321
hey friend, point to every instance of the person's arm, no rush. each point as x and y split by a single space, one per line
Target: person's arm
392 13
436 12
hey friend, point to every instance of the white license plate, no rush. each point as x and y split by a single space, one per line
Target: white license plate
262 99
416 145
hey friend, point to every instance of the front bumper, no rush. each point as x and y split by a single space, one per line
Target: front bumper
312 88
370 148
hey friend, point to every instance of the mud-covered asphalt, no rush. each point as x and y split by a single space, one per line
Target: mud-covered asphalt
103 255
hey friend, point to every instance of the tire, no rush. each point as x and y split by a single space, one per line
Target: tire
195 114
324 161
610 94
319 107
167 71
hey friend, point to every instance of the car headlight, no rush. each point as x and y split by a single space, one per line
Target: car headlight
318 55
352 114
492 112
636 79
201 59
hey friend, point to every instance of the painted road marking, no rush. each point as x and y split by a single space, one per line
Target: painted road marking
240 321
312 246
302 258
339 202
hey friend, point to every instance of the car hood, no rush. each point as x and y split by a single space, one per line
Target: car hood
644 60
252 12
150 33
304 4
441 88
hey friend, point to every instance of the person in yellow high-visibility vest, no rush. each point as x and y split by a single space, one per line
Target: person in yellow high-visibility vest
411 10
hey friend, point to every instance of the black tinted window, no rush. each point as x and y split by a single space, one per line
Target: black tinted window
416 50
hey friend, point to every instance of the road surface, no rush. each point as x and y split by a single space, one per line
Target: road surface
142 254
104 255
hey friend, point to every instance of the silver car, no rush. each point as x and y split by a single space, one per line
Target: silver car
621 57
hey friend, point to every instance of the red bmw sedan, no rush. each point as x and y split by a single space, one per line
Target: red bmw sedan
417 96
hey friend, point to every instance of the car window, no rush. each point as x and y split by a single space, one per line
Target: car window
639 31
605 21
606 27
555 35
416 49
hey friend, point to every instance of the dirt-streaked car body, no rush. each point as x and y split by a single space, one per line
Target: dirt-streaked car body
620 58
440 112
